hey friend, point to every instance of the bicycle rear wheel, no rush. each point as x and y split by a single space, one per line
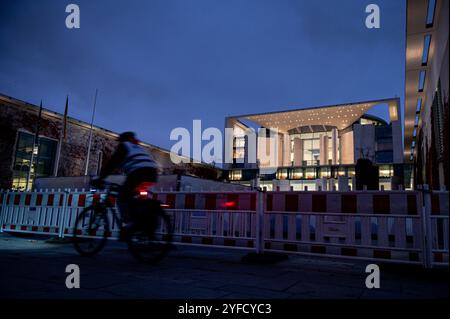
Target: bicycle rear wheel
91 230
152 244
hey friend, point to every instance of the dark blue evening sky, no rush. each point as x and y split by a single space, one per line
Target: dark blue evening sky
160 64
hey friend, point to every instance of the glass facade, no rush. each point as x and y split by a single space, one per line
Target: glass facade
384 145
311 147
43 159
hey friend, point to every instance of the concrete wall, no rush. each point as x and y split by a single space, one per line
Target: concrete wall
364 142
397 141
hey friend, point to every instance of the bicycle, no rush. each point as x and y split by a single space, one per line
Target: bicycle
147 244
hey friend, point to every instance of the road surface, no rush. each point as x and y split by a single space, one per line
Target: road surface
32 267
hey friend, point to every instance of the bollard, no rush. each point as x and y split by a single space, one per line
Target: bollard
3 211
427 234
259 244
64 218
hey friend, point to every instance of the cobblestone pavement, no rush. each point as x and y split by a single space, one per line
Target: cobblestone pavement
32 267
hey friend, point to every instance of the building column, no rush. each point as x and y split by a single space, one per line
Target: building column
298 152
334 152
286 150
323 149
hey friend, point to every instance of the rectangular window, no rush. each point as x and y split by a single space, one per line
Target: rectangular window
297 173
422 76
325 172
236 175
426 49
310 173
351 172
418 105
282 173
43 159
416 121
46 157
430 13
385 171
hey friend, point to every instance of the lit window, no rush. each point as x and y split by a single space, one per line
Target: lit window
351 172
297 173
386 171
422 76
430 13
310 173
235 175
325 172
426 49
419 105
43 159
282 173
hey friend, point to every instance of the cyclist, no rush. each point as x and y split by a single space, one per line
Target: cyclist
137 164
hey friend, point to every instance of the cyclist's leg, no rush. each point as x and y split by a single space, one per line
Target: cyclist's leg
127 193
123 201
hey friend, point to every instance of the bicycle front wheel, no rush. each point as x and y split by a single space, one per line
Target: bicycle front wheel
152 243
91 230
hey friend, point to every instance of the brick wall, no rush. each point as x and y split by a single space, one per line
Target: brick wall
17 115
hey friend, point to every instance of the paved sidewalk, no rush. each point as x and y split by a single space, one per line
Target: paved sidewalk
33 268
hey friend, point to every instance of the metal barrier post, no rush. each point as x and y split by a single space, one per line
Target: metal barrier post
2 212
259 222
62 220
426 222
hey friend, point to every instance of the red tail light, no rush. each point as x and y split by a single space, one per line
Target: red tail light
230 204
165 205
142 189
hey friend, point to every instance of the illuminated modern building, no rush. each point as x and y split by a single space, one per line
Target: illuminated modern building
317 146
427 92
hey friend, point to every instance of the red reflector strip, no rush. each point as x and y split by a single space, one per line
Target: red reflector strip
81 200
27 199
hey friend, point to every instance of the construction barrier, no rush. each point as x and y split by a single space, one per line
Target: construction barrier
361 225
395 226
215 219
36 212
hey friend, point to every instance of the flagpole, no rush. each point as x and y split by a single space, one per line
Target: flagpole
61 134
90 134
58 154
35 142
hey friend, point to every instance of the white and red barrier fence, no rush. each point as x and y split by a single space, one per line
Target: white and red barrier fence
397 226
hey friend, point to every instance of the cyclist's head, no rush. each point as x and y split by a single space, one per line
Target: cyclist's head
128 137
